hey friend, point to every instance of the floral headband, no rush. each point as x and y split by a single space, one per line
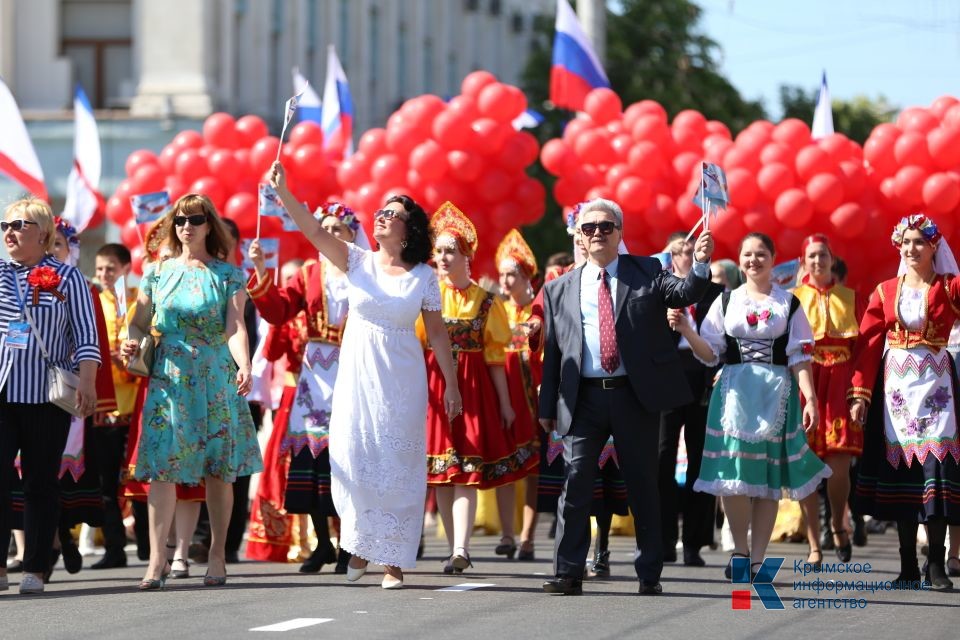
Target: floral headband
342 213
572 218
68 230
917 222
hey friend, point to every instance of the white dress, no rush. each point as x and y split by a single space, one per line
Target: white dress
377 428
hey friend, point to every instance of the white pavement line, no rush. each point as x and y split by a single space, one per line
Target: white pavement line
296 623
468 586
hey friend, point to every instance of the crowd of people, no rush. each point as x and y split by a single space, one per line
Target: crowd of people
407 386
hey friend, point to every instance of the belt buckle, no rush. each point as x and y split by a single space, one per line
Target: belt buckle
604 383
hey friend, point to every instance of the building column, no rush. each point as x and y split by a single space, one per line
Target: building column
593 17
175 72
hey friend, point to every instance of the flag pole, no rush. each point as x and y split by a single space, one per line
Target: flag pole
706 202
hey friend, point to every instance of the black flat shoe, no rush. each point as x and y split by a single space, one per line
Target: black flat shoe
844 551
111 560
564 586
72 560
728 571
649 588
818 563
508 549
670 554
525 553
319 557
601 565
692 558
343 559
937 577
15 566
953 566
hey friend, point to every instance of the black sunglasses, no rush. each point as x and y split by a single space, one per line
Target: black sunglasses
16 225
606 227
195 220
388 214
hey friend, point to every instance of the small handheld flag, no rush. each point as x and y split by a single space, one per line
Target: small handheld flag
120 295
271 252
289 110
822 114
712 194
308 107
785 273
149 207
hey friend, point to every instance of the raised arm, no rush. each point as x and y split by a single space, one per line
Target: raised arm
326 243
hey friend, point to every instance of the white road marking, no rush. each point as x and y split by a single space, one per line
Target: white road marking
360 612
539 573
468 586
426 598
296 623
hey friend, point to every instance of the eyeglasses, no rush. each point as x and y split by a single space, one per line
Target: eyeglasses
16 225
195 220
606 227
389 214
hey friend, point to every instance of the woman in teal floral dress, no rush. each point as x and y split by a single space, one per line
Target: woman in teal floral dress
196 424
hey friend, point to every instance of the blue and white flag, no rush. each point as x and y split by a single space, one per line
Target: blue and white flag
148 207
785 273
822 114
529 119
713 186
270 205
309 105
271 252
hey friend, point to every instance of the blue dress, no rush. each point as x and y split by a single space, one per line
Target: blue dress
194 423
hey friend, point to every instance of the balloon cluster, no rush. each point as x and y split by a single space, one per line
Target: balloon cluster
465 150
226 161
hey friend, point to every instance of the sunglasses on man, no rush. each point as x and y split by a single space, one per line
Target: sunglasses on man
16 225
606 227
195 220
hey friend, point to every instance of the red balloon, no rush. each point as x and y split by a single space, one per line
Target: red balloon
501 102
422 110
603 105
188 139
519 151
353 171
429 160
911 148
137 255
729 227
634 194
686 139
452 130
490 135
652 128
943 143
788 241
168 158
262 155
812 160
743 188
175 187
129 234
373 143
388 170
941 193
941 105
777 152
908 185
662 213
683 166
692 120
250 129
593 147
402 138
148 178
917 119
466 166
225 166
566 192
878 153
212 188
687 211
742 157
761 219
494 185
139 158
621 145
309 161
190 166
220 131
886 129
615 174
306 132
557 157
531 194
825 191
793 209
854 178
474 83
792 132
715 127
848 221
118 210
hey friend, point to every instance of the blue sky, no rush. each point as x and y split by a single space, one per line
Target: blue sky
905 50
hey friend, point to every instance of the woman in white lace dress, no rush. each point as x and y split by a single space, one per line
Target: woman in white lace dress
377 432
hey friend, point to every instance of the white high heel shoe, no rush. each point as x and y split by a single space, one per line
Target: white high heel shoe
355 574
390 582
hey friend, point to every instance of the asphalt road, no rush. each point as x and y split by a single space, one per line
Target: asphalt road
696 602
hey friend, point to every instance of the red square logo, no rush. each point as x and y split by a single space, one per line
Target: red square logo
740 599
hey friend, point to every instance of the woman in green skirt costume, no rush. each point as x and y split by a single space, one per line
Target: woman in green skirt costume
756 451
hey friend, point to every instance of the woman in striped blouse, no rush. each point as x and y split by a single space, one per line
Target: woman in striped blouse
58 300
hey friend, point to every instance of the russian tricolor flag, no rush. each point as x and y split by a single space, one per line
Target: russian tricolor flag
83 183
308 107
337 109
576 69
17 156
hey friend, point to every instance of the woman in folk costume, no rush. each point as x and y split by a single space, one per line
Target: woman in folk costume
755 450
476 449
320 289
517 266
910 469
834 313
270 533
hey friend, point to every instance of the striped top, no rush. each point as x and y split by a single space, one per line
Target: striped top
68 328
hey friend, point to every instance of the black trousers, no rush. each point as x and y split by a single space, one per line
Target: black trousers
599 414
39 433
698 508
110 446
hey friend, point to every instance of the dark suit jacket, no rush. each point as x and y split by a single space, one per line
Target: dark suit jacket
645 341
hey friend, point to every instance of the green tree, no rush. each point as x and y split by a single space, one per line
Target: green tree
854 118
655 51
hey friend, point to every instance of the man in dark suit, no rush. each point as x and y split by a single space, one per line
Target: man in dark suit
699 509
610 367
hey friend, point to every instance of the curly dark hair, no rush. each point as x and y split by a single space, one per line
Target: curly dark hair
418 247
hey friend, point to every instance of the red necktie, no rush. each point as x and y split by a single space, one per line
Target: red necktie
609 358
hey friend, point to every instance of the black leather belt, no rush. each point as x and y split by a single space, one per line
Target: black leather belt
606 383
